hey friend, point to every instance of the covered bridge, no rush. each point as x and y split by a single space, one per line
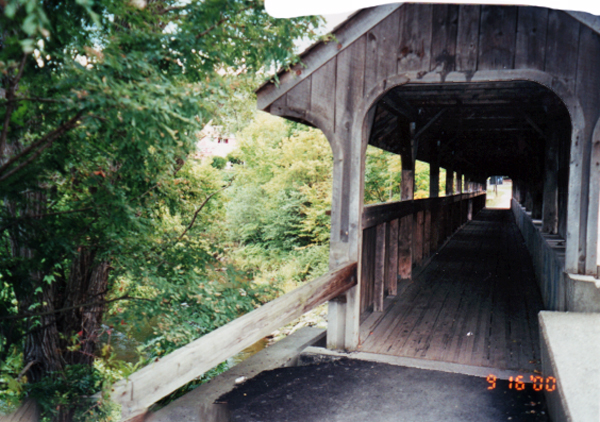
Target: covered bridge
478 91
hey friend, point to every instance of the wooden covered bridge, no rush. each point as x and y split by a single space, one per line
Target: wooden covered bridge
477 91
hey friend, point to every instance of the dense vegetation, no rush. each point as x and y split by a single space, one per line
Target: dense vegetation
104 215
109 228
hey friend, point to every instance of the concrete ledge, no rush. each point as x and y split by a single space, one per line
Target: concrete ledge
320 354
583 293
193 406
570 345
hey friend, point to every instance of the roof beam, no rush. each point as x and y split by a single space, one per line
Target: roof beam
320 53
429 123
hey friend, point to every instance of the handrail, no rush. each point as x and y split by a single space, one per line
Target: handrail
380 213
155 381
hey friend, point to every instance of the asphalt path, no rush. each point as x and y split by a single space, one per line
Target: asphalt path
358 391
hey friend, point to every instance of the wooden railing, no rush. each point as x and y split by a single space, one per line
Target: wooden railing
548 256
155 381
399 237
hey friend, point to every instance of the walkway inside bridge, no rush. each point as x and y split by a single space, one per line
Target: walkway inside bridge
476 303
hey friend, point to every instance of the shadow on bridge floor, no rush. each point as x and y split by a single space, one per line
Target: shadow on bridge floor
476 303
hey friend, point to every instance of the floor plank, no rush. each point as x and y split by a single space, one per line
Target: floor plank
476 303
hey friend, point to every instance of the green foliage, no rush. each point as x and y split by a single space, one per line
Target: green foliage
277 208
73 389
421 180
11 387
383 177
219 163
103 101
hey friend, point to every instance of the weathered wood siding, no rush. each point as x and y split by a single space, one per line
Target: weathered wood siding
385 243
424 41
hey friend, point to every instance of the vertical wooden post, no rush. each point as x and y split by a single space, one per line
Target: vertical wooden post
459 182
434 175
391 267
550 201
405 235
348 146
427 234
380 261
448 208
338 250
418 226
449 182
592 263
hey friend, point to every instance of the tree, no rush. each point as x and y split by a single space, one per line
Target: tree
277 209
100 105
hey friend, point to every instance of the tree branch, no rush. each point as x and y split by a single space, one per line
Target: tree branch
200 209
42 143
219 23
10 94
170 9
34 99
69 308
196 216
24 371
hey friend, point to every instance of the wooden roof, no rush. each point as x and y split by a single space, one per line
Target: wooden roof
345 33
453 95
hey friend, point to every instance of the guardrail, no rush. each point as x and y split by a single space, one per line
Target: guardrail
155 381
400 236
548 256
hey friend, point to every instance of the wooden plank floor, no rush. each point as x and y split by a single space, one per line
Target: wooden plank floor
476 303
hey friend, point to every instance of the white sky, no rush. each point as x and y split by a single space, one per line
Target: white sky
289 8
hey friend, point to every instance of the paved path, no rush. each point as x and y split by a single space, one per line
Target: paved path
357 391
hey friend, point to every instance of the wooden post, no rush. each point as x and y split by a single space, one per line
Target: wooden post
550 201
592 264
405 235
459 182
391 267
434 175
449 182
380 261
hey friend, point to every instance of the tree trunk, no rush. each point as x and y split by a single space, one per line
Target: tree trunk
87 283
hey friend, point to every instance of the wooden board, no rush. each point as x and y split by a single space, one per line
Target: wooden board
391 268
427 234
380 261
497 38
382 48
405 248
532 27
323 95
417 244
298 99
443 39
467 41
27 412
562 45
368 269
415 37
349 85
155 381
475 304
588 90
